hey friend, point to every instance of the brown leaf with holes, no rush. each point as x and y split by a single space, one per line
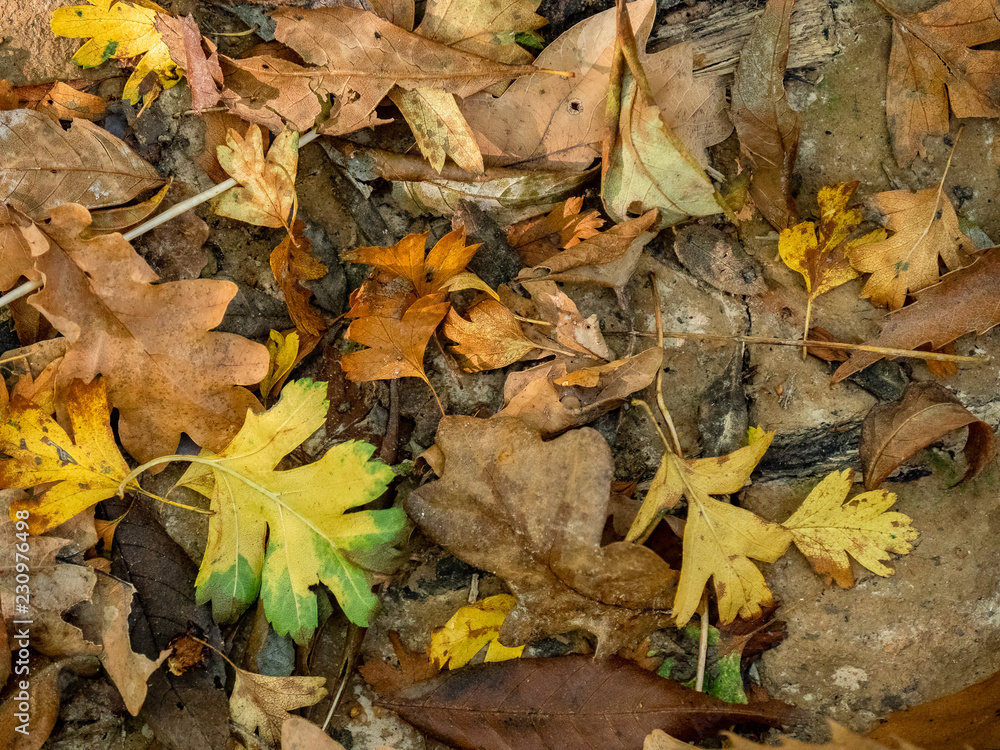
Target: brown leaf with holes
891 433
292 262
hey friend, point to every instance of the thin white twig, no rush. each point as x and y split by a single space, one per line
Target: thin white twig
19 291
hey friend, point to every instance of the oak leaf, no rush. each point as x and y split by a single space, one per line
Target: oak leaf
278 533
822 256
767 127
932 64
470 630
891 433
167 373
540 237
491 337
261 703
719 539
826 527
120 31
265 195
292 262
924 226
962 302
550 554
85 165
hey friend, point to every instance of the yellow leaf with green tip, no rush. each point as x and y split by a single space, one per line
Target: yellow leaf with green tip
469 630
825 528
280 533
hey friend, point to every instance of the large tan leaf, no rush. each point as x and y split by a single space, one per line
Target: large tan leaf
43 166
166 372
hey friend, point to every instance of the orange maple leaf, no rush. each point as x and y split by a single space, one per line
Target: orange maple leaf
292 261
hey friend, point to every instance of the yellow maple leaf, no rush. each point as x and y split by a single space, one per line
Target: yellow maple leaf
120 31
266 193
719 538
820 253
83 470
471 628
825 528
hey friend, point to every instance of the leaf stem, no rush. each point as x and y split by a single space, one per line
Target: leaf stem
702 647
805 330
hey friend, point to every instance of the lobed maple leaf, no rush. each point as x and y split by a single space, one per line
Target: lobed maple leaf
470 630
292 262
278 533
489 339
120 31
826 527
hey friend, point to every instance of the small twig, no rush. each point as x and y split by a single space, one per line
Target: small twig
20 291
702 647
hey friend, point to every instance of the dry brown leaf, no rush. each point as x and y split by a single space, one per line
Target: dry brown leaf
15 254
217 125
843 739
414 666
261 703
293 261
537 239
166 372
491 337
717 258
924 226
44 696
399 12
567 327
962 302
439 127
768 128
85 165
299 734
183 38
64 99
382 295
550 554
891 433
932 65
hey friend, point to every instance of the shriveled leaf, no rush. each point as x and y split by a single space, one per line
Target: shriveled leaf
489 339
85 165
117 219
261 703
539 238
396 347
925 227
166 372
265 195
281 532
472 629
567 327
120 31
552 703
551 557
439 127
964 301
184 41
826 527
892 433
82 470
292 262
767 127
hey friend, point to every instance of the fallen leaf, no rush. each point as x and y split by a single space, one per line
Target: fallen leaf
166 372
265 195
281 532
122 217
843 739
822 256
551 703
85 165
491 337
44 695
932 65
718 259
891 433
826 527
396 347
644 165
924 226
567 327
537 239
184 43
15 253
292 262
120 31
719 538
962 302
414 666
470 630
550 557
63 99
186 654
283 352
439 127
299 734
261 703
767 127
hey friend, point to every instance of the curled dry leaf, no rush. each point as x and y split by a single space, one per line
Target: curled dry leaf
551 703
470 630
891 433
962 302
551 556
261 703
85 165
184 42
925 227
540 237
567 327
827 527
767 127
166 372
292 262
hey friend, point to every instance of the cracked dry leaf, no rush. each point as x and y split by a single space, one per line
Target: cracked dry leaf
826 527
120 31
279 533
719 538
537 239
166 371
767 127
933 64
925 227
489 339
261 703
265 195
85 165
821 253
470 630
293 262
548 551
